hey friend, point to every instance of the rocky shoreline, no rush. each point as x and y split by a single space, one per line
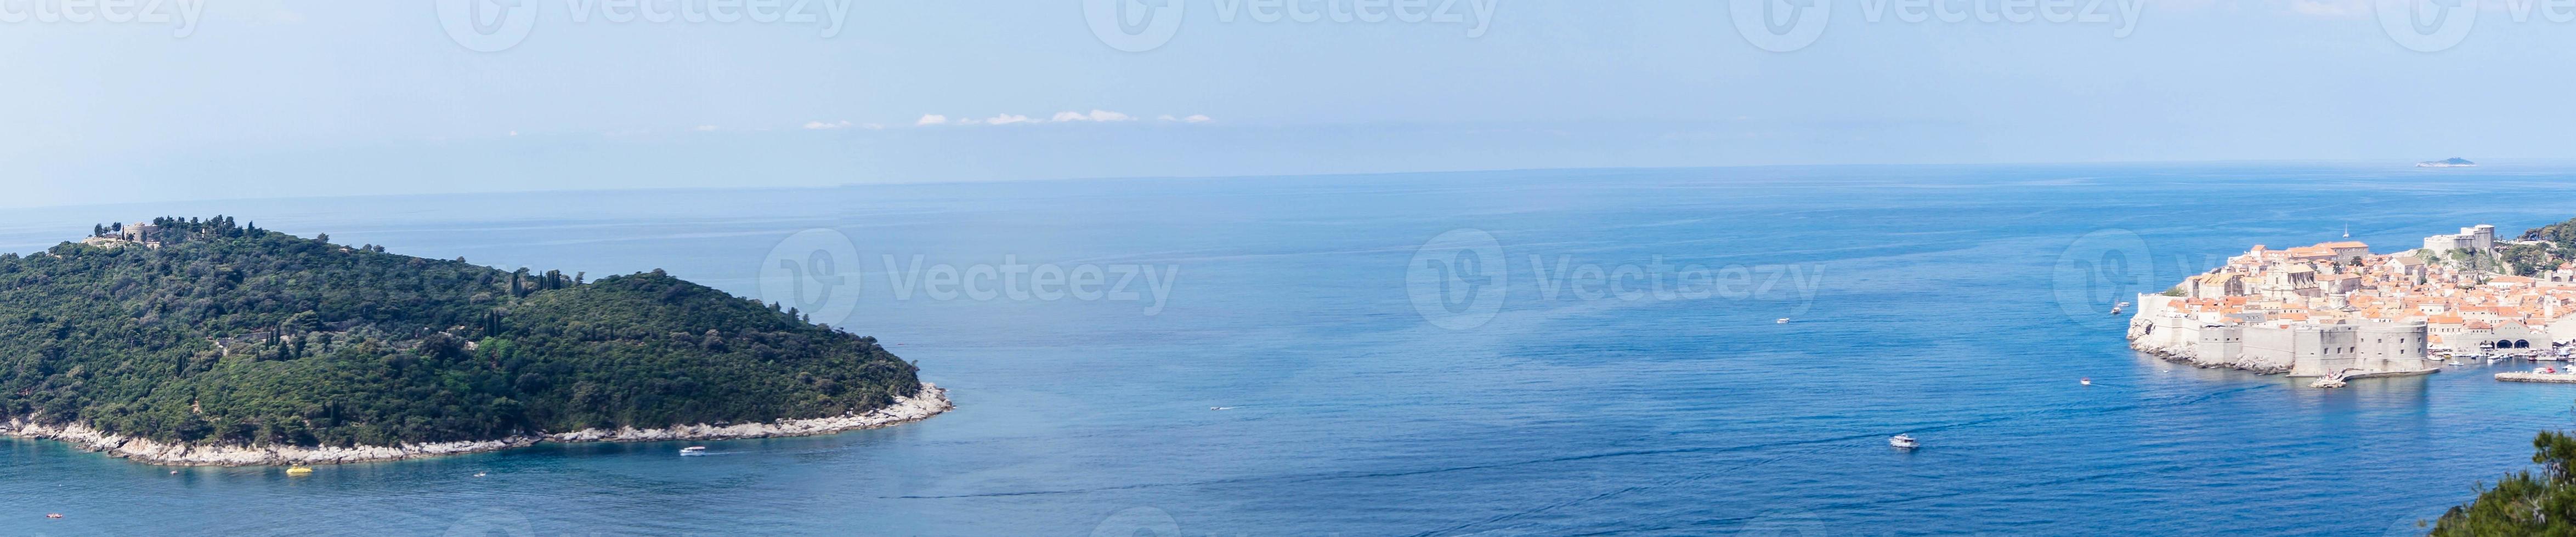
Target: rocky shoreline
2186 357
930 401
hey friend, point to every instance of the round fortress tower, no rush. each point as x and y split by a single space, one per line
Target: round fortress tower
2392 346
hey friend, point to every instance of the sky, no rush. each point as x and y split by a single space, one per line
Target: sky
146 100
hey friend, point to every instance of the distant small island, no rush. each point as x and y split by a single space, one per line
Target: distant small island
190 341
2453 162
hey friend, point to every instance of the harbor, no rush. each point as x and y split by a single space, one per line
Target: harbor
2561 377
2546 370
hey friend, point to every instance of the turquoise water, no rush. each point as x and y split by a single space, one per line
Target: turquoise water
1958 304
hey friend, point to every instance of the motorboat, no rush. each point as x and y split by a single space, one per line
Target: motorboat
1783 320
693 450
298 470
1903 441
2088 381
1220 408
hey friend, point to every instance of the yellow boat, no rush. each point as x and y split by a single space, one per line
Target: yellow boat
299 470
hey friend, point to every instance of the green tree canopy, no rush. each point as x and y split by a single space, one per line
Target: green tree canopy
231 335
2523 503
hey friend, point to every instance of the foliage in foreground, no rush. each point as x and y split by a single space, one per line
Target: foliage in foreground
2523 503
233 335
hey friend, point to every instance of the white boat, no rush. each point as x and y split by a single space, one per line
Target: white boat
1220 408
2454 362
1783 320
2088 381
693 450
1903 441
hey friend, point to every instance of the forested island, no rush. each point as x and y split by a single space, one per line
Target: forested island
201 341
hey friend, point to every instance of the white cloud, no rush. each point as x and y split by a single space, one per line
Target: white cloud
2332 8
871 126
818 125
1095 115
1006 118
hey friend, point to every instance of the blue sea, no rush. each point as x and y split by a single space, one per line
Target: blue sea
1557 352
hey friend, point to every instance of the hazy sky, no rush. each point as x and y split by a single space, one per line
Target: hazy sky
263 98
